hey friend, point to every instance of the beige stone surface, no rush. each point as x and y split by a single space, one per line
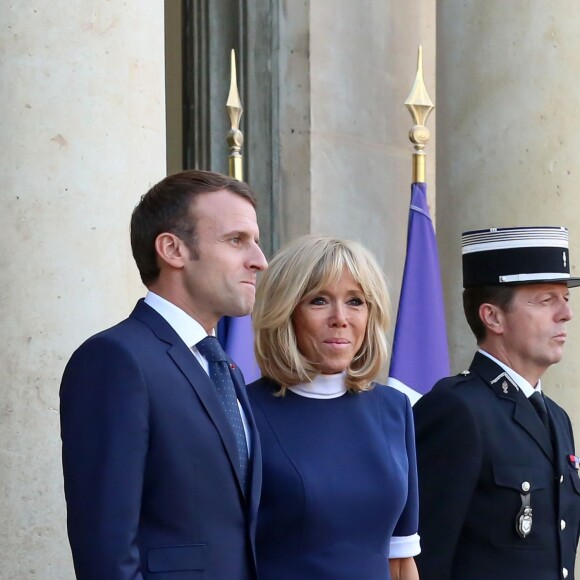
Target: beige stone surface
349 170
295 120
508 154
82 136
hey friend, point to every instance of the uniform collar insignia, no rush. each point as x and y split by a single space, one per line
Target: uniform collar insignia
505 383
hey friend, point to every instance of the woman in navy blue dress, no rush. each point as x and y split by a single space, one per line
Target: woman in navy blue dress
339 491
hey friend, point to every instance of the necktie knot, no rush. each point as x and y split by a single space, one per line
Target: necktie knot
537 400
211 349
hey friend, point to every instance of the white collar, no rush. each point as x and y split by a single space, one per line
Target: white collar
322 387
188 329
524 385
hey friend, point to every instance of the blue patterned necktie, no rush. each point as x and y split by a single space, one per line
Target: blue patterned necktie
219 373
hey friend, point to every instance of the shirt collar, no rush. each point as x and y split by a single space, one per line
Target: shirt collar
524 385
188 329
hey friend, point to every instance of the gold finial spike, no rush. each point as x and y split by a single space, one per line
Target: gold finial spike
418 101
235 136
420 106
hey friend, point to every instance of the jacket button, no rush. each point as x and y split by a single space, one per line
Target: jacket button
561 479
526 486
562 525
564 572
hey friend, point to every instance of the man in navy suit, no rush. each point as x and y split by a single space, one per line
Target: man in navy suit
154 479
498 473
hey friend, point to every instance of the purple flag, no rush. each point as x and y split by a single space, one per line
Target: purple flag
420 356
236 336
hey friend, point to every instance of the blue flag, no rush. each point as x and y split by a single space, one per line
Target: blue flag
236 336
420 356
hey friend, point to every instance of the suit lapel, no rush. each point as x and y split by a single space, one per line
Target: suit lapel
523 412
184 359
561 432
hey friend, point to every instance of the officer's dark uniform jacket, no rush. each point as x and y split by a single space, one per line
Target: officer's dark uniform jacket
482 451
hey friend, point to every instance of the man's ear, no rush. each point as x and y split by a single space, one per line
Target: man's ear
492 318
171 250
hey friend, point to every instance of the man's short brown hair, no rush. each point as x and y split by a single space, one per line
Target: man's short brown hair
166 207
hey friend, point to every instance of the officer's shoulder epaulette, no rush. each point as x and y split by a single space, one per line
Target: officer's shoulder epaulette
463 376
454 380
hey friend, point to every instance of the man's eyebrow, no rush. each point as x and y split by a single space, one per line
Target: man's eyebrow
242 233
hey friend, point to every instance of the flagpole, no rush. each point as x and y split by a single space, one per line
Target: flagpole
235 137
420 106
235 333
419 356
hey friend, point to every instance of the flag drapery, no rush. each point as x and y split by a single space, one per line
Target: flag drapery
420 356
236 336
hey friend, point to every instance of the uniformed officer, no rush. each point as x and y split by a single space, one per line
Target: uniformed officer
498 473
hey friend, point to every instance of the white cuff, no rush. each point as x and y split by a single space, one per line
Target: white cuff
404 546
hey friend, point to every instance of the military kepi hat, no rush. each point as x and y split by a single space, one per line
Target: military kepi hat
524 255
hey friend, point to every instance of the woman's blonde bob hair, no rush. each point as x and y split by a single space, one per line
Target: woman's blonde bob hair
303 268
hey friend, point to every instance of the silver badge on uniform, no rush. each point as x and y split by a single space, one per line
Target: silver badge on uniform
524 517
505 384
525 522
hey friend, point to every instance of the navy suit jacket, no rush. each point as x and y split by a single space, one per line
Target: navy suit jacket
480 445
150 461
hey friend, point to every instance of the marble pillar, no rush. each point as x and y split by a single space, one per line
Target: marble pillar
82 137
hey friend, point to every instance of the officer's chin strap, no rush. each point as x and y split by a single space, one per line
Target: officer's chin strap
524 516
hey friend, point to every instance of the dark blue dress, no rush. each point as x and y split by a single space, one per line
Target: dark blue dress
339 481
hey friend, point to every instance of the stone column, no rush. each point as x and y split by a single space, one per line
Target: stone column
83 136
507 143
345 71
